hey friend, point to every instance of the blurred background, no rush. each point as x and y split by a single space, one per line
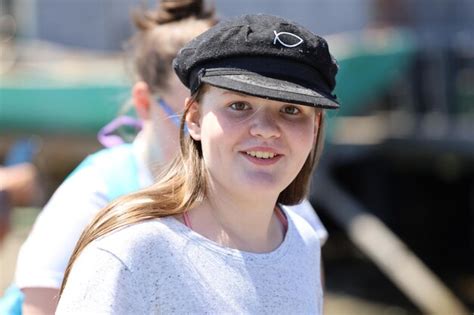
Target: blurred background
395 187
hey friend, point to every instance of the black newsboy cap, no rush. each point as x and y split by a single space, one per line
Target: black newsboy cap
264 56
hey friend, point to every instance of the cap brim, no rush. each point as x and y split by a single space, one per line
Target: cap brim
275 89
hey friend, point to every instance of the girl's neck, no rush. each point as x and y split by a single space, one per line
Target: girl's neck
244 225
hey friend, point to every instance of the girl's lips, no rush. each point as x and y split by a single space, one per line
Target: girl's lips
262 156
266 149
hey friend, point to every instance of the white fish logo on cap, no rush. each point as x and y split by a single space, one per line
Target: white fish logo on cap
277 38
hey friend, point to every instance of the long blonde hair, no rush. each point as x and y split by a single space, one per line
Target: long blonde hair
179 188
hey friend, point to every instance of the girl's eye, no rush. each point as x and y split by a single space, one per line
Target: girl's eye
239 106
291 110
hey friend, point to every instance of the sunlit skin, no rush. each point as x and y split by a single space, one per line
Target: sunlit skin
253 148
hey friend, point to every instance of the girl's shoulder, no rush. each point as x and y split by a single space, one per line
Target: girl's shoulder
301 227
141 232
306 211
141 240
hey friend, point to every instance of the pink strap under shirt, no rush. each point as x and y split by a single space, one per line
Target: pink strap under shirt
278 212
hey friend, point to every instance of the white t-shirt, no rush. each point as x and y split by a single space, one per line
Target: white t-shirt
162 266
43 257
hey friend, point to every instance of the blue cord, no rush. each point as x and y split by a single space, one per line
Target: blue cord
170 112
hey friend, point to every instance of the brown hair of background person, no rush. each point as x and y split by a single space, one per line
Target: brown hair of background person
161 34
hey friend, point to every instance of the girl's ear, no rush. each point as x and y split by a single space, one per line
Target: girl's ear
142 100
193 119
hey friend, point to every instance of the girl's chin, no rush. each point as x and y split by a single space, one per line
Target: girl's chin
260 184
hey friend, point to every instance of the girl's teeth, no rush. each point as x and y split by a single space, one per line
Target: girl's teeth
261 154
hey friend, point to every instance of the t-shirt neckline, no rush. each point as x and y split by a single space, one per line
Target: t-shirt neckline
215 247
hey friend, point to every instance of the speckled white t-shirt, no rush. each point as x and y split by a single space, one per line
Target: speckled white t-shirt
161 266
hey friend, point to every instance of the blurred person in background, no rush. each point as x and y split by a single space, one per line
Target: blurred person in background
158 96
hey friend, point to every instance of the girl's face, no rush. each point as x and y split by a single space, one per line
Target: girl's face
251 145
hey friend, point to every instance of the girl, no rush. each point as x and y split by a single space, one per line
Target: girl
213 235
157 95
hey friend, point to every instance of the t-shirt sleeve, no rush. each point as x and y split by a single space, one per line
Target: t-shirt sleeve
307 212
43 257
101 283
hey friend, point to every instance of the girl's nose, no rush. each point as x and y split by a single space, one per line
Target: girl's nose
264 124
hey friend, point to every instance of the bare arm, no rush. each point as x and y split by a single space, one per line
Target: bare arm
40 301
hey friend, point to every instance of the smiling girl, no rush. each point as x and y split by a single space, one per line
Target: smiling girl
214 235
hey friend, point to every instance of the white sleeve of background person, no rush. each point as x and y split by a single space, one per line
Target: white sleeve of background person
43 257
307 212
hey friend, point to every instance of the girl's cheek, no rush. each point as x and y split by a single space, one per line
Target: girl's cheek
303 127
233 120
308 134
